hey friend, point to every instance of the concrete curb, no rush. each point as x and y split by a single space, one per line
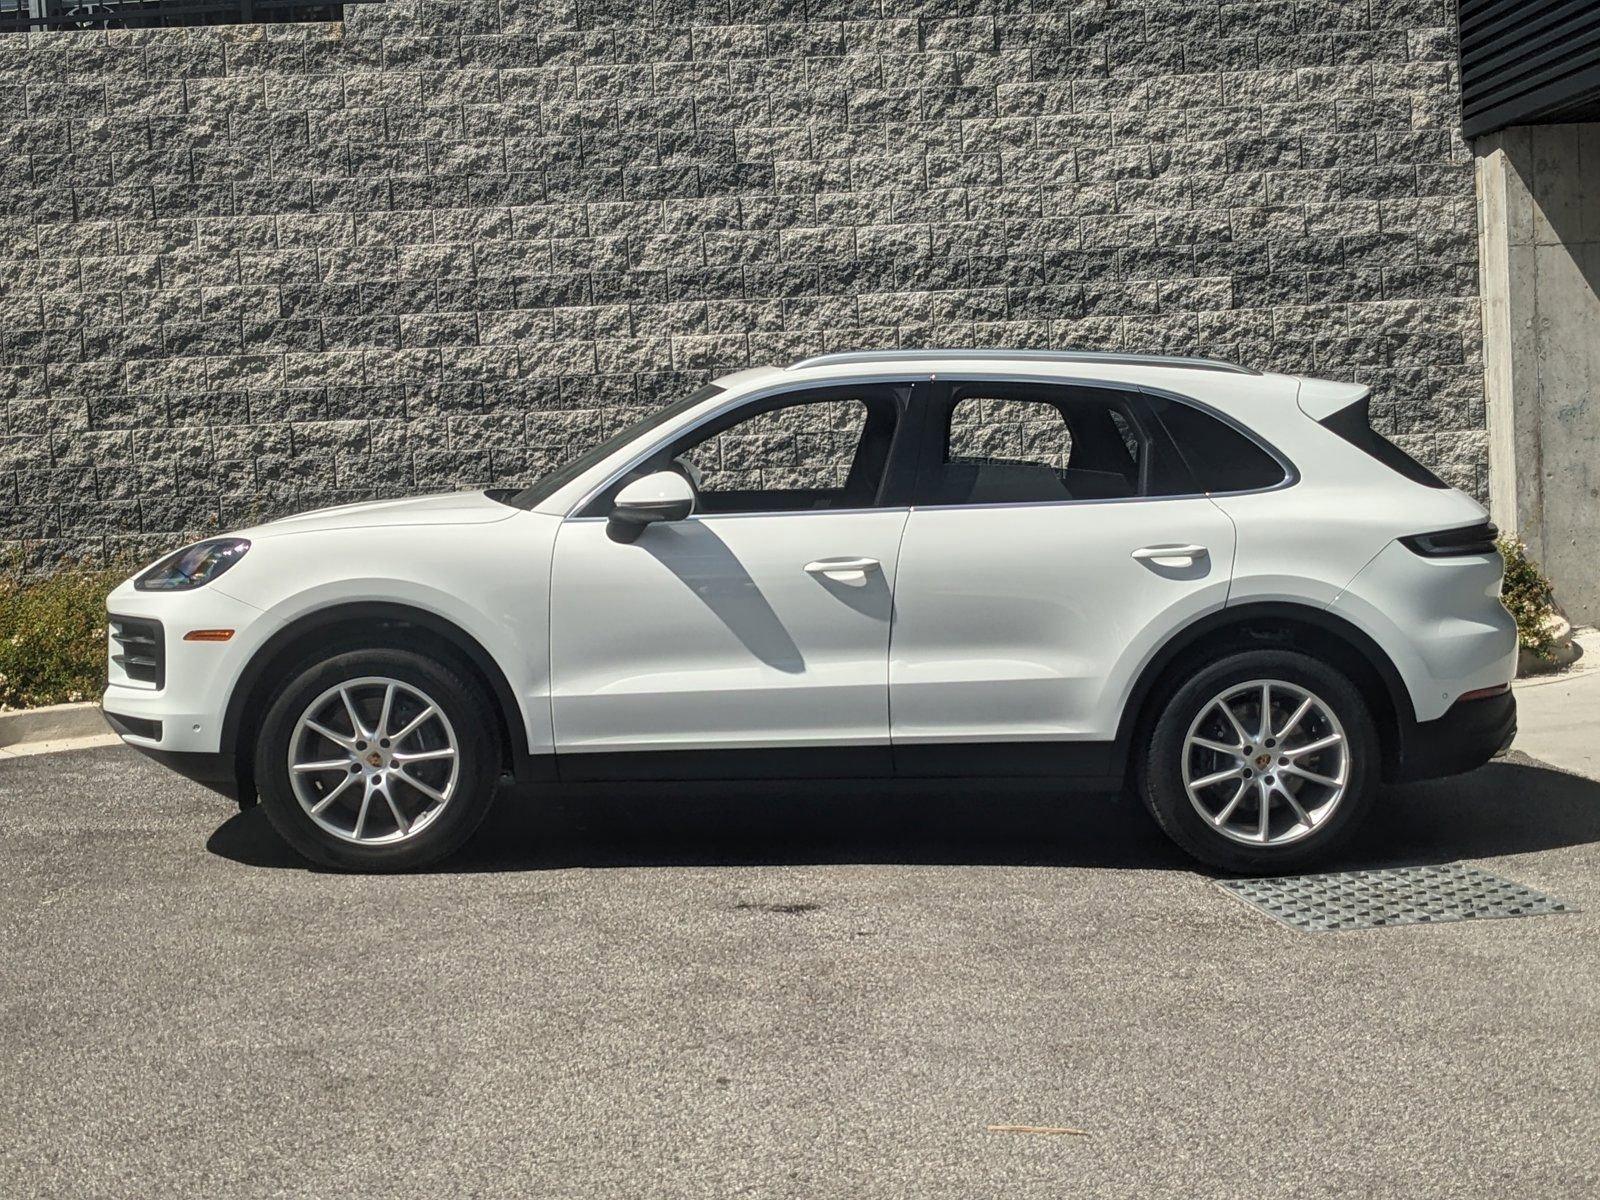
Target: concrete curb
54 723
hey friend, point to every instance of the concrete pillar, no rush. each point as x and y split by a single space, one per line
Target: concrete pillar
1539 251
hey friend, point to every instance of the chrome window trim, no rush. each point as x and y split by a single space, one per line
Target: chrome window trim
1060 503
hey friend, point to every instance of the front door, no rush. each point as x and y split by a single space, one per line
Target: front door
761 621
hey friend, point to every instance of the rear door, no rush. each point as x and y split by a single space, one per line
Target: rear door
1056 540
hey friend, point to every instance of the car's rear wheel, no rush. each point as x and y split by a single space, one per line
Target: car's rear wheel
1264 760
377 760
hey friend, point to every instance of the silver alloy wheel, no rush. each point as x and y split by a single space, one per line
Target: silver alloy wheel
373 760
1266 762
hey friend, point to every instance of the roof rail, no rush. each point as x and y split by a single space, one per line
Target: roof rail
1103 358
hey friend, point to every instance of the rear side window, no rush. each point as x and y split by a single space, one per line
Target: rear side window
992 431
1354 425
1027 443
1220 458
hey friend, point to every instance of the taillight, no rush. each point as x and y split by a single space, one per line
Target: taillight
1451 543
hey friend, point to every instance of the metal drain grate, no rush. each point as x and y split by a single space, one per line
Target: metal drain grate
1392 896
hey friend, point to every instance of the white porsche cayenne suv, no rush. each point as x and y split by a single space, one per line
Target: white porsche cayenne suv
1217 587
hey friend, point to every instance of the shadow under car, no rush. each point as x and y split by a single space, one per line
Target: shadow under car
1513 805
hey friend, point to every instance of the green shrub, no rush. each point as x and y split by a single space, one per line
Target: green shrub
1526 593
53 635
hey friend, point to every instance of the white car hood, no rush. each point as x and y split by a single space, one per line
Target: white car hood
447 508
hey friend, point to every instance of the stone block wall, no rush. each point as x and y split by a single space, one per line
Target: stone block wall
250 269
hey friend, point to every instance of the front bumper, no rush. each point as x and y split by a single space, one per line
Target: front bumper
1470 733
182 709
177 718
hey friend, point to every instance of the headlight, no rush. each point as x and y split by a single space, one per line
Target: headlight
193 566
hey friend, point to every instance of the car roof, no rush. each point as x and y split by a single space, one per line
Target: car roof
1153 370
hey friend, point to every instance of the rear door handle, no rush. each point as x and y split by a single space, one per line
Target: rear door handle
1157 553
843 567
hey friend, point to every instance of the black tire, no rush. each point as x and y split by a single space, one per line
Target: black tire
1159 769
477 761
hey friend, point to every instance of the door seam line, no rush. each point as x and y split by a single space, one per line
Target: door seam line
888 658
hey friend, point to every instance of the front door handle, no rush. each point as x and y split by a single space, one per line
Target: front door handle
1161 553
843 568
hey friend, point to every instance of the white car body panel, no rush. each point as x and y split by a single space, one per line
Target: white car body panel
1029 622
295 569
1439 621
446 508
711 632
200 676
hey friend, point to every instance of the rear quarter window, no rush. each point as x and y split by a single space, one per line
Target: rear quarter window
1220 457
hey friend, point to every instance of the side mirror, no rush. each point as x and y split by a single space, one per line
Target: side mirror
661 496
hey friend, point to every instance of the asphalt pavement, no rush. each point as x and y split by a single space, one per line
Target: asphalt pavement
825 993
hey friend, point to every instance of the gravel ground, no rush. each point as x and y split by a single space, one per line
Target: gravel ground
812 995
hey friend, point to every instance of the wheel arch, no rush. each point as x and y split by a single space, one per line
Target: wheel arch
375 623
1277 625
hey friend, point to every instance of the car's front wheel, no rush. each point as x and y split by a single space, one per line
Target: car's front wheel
377 760
1261 761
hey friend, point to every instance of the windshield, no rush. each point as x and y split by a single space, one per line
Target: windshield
545 488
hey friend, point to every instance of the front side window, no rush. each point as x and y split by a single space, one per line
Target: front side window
801 448
1020 443
797 452
818 450
548 486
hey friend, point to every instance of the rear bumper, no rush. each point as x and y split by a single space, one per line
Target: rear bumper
1470 733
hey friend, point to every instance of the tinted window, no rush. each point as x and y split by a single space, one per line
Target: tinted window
1009 443
1220 458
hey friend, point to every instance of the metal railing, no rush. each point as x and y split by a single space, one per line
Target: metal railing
1102 357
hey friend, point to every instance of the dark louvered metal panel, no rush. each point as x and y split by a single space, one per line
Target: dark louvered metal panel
139 649
1528 62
